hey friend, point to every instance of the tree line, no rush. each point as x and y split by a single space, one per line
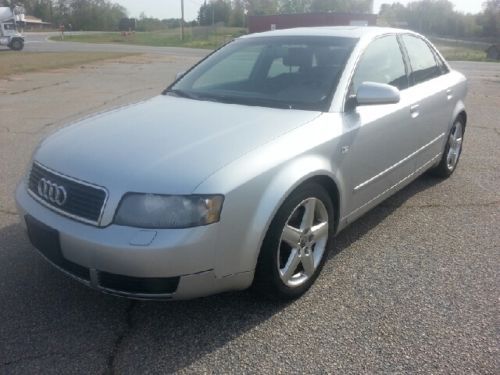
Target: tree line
430 17
437 17
77 14
234 12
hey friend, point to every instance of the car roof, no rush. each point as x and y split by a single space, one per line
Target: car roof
340 31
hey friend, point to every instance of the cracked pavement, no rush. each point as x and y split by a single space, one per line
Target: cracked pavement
412 287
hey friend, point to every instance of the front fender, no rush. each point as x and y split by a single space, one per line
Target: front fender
256 185
280 188
249 210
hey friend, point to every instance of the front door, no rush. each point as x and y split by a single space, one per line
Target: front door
382 137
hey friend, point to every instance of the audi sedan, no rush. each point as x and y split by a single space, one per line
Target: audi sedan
243 170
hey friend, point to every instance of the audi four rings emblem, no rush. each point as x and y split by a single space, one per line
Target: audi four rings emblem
52 192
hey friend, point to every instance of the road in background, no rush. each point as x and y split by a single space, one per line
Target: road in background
39 42
411 287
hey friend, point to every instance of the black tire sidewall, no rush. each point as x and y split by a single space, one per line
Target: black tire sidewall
17 45
442 170
267 278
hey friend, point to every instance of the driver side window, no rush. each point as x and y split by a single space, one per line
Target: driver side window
382 62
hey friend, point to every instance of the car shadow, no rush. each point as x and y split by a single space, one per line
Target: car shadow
37 298
47 315
372 218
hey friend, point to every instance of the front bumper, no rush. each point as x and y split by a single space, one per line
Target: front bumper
130 262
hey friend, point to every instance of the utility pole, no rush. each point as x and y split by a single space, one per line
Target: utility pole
182 19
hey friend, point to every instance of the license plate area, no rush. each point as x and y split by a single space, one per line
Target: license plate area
47 241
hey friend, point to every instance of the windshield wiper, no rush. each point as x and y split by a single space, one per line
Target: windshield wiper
263 102
192 95
245 100
182 94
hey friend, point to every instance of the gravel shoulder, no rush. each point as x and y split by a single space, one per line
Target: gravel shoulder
25 62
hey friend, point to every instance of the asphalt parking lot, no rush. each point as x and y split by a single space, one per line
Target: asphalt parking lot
412 287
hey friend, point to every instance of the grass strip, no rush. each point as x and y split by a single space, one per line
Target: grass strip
194 38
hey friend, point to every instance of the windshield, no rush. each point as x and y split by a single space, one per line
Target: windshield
280 72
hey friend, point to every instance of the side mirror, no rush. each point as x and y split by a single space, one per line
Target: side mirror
179 75
370 93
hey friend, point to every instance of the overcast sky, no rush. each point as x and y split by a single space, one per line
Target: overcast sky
172 8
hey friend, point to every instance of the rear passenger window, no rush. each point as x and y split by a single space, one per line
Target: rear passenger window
442 66
423 63
382 62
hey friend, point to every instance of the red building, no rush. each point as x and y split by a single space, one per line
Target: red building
287 21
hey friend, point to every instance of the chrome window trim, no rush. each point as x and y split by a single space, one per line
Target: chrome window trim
62 212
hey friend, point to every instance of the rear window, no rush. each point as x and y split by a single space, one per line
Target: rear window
422 59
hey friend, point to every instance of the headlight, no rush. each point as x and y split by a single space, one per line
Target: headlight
168 211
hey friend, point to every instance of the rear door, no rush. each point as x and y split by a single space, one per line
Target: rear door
432 98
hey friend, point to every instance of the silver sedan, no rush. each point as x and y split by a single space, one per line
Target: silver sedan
243 171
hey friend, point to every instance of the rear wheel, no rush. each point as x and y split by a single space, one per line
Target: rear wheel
296 244
452 151
17 44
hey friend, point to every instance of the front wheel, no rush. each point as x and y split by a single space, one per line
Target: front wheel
296 244
17 44
452 151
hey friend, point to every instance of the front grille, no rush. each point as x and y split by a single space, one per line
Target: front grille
83 201
140 285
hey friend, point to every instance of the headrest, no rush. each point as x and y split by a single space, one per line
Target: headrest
330 57
298 56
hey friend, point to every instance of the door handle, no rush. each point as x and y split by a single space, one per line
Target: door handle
414 110
449 94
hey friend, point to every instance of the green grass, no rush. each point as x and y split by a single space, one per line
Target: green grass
209 38
464 54
457 50
22 62
194 37
461 53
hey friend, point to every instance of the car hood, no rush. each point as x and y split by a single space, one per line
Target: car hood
165 144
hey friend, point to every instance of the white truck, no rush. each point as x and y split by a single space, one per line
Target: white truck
9 36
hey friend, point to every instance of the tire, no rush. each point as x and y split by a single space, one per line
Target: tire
452 152
284 271
17 44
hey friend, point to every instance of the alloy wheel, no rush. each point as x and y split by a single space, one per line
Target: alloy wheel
303 242
455 146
